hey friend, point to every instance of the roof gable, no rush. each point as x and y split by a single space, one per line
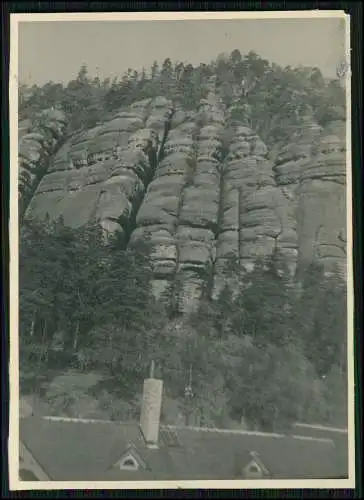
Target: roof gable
255 468
252 471
130 460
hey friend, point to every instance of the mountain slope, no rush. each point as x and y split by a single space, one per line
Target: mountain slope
199 181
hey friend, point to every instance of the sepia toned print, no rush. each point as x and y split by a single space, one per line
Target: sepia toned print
183 251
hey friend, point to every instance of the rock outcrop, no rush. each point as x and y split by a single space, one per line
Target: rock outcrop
256 215
103 172
200 186
321 214
180 209
199 210
36 144
311 172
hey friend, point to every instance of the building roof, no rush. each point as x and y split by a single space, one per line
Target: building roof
87 450
338 435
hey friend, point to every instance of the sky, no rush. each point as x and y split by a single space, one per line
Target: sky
54 51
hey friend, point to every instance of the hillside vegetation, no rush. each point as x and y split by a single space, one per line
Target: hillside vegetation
267 345
277 96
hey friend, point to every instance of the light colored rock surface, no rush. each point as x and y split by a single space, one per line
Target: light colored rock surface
157 218
290 159
36 143
311 172
100 173
322 202
200 207
197 206
78 151
181 206
159 112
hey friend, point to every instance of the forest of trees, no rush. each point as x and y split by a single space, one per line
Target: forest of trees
277 96
271 352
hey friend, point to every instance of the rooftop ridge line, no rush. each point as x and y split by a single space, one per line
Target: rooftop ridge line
86 420
197 429
310 438
321 427
227 431
163 427
253 433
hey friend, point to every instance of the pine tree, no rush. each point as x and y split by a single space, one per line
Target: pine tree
154 70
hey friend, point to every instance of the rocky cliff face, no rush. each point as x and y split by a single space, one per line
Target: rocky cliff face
37 142
311 172
199 185
103 172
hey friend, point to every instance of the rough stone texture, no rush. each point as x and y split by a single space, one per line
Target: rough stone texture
256 216
199 214
159 212
105 190
267 223
36 143
321 214
101 173
311 172
213 193
24 127
160 110
288 164
180 210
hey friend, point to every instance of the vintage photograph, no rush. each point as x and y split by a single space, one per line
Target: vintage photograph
183 249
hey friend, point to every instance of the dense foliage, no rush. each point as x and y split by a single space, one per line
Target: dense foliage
277 96
267 352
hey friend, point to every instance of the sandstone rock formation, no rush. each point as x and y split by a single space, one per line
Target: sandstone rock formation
311 172
103 172
180 210
200 186
199 210
321 214
36 143
256 217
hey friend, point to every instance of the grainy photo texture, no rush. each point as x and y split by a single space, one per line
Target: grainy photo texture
181 251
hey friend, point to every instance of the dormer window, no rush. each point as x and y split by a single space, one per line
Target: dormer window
255 469
130 461
252 471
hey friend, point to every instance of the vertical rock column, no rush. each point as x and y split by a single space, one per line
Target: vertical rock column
156 220
198 222
287 169
235 172
257 216
321 215
246 171
179 211
260 221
